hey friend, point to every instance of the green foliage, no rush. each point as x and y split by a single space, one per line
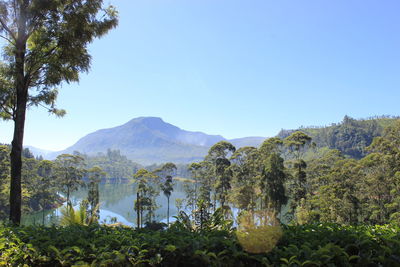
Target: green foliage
70 216
146 193
46 45
335 245
95 245
273 178
325 188
4 179
244 178
351 136
39 186
70 170
350 191
95 175
219 163
297 143
115 165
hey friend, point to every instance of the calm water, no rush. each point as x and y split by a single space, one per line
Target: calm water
116 200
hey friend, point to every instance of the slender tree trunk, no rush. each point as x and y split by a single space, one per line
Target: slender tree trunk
138 210
68 202
141 217
21 88
168 212
195 194
43 212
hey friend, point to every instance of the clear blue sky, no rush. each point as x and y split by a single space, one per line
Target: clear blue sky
235 68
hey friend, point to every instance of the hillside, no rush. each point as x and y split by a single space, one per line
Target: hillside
149 140
350 136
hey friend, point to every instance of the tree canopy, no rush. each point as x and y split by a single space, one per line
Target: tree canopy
46 45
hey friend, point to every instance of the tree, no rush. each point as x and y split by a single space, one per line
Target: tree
273 180
144 195
244 178
179 204
195 170
95 175
336 198
297 142
218 155
46 183
380 193
30 184
70 172
205 180
167 170
46 46
4 179
271 145
167 189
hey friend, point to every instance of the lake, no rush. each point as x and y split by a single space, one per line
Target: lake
116 200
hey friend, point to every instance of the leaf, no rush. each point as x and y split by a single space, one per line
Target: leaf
285 260
170 248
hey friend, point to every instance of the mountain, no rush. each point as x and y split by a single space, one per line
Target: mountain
148 140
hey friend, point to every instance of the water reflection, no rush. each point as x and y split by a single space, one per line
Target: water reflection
116 200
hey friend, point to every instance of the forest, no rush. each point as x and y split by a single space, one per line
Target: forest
314 196
260 199
298 182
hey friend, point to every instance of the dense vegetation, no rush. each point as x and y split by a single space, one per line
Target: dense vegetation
311 245
118 168
273 181
46 184
39 191
277 177
295 204
280 176
115 165
45 44
351 136
313 197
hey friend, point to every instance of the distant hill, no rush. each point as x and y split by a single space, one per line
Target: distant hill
149 140
350 136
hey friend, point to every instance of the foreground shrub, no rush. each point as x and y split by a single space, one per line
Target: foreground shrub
307 245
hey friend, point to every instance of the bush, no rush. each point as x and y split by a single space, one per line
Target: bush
97 245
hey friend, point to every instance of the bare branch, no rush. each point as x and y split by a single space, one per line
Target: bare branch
5 38
43 106
5 27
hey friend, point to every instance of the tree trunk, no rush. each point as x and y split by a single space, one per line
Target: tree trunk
141 218
168 212
21 88
44 204
138 209
17 144
16 168
68 195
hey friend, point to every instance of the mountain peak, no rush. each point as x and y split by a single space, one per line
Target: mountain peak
148 140
147 120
